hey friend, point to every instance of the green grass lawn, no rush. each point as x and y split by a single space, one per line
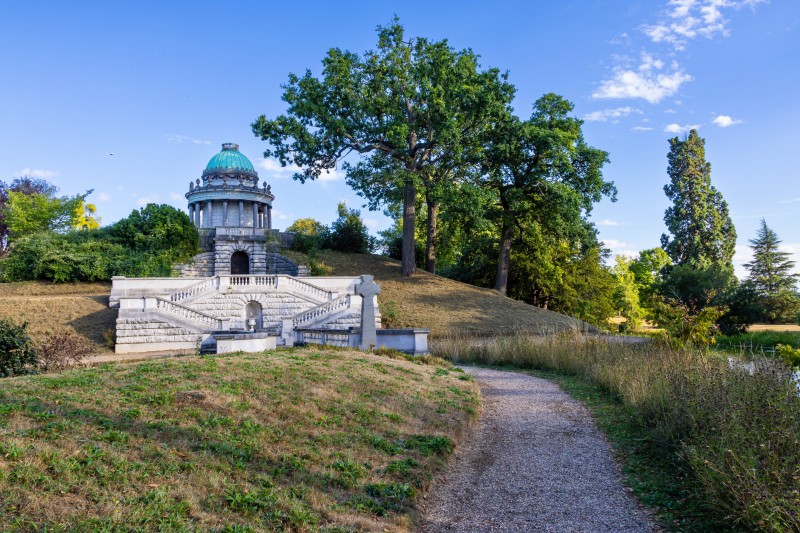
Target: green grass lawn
305 439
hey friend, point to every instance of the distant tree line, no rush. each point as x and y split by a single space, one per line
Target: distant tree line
688 286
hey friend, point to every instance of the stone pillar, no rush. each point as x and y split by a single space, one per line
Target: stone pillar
225 213
191 213
241 213
368 289
209 213
255 215
269 216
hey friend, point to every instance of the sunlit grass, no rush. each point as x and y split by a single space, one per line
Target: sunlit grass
305 439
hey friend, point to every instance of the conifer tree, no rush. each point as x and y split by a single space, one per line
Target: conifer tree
770 270
702 231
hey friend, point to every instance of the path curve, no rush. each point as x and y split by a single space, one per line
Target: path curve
534 462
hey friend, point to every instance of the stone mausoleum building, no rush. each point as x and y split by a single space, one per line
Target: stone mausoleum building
240 292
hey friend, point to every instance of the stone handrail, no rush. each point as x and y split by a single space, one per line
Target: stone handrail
308 288
310 315
188 314
275 281
244 280
191 290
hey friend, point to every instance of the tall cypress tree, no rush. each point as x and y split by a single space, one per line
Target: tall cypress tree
703 235
770 269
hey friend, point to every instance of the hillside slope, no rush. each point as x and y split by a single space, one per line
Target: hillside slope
446 306
47 307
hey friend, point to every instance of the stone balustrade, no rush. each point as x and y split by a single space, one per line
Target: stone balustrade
324 309
188 314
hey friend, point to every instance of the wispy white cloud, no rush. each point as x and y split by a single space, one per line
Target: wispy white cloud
272 169
38 173
372 223
724 121
648 81
103 197
184 138
277 214
608 222
175 197
685 20
620 248
677 128
641 128
149 199
622 38
610 114
792 201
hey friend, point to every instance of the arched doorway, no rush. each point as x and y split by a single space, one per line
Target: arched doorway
240 263
253 316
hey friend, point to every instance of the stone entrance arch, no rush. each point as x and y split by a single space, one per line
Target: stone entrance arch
240 263
253 316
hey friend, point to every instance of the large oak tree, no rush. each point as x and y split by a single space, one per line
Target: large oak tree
414 101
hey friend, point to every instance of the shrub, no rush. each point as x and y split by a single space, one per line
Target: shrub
63 350
788 355
17 353
348 233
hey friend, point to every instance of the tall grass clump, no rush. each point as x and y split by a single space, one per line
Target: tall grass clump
734 431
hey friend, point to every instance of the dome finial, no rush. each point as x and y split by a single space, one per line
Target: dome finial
230 146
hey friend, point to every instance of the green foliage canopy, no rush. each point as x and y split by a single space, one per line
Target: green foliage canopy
408 99
543 169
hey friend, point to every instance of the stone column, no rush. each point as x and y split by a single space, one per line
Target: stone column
225 213
241 213
368 289
269 216
255 215
210 214
191 212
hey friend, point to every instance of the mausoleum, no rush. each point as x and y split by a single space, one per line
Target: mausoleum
240 292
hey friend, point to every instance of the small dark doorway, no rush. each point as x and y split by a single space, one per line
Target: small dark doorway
240 263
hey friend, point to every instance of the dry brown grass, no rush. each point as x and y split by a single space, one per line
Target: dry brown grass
446 306
292 440
773 327
49 307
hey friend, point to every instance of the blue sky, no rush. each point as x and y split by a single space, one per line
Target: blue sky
161 86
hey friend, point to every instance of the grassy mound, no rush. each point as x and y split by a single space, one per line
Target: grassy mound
291 440
446 306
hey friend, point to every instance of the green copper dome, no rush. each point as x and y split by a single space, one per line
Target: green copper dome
229 160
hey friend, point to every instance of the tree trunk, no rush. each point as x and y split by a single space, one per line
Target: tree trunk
409 215
430 244
504 262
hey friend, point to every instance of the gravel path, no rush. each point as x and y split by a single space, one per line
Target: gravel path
535 462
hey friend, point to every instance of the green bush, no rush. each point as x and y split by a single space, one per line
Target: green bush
17 354
148 243
789 355
347 233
